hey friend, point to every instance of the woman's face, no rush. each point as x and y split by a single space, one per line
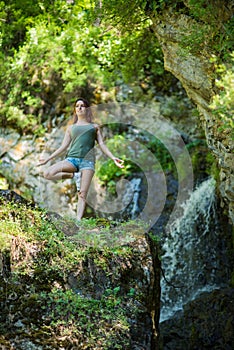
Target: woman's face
80 108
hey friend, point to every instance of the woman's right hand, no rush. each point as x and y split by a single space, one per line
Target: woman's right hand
119 162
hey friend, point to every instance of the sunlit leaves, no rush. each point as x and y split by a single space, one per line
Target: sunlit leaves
223 103
64 47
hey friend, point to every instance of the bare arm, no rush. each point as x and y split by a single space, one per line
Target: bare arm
66 142
105 149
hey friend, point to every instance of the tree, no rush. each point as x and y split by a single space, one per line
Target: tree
61 51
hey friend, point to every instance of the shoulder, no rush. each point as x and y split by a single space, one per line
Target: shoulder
69 128
68 131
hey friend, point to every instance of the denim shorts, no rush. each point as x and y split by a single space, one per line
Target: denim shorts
82 164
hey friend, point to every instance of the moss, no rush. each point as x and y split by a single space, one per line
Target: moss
203 162
45 310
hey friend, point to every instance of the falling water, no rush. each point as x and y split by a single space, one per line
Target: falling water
191 260
135 188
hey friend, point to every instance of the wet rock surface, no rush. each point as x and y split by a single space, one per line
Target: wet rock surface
205 323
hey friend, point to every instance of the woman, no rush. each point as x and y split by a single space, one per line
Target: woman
81 137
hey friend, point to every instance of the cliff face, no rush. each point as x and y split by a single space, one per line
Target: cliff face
196 73
205 323
63 286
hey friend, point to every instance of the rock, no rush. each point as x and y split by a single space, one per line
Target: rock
19 168
21 150
68 227
12 196
206 323
39 272
8 139
196 73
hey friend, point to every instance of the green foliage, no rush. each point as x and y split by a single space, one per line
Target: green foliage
223 102
124 14
17 17
3 182
27 225
82 314
32 224
42 260
134 54
128 46
201 10
154 238
108 173
14 21
112 238
212 27
54 51
12 223
50 62
211 32
203 162
62 54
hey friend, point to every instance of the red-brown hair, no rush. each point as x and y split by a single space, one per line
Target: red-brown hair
88 110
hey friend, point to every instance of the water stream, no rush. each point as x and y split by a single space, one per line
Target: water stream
131 196
192 259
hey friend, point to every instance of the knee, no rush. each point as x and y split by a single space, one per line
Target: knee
47 175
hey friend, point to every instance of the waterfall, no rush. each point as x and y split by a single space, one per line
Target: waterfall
133 191
191 252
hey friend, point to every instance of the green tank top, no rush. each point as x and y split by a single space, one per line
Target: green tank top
83 141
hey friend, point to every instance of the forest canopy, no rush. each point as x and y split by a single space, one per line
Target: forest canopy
53 51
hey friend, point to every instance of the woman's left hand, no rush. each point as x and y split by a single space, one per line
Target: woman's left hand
119 162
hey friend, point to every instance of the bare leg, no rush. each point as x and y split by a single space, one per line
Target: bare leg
59 171
86 178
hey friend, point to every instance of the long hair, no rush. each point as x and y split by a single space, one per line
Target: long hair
88 110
